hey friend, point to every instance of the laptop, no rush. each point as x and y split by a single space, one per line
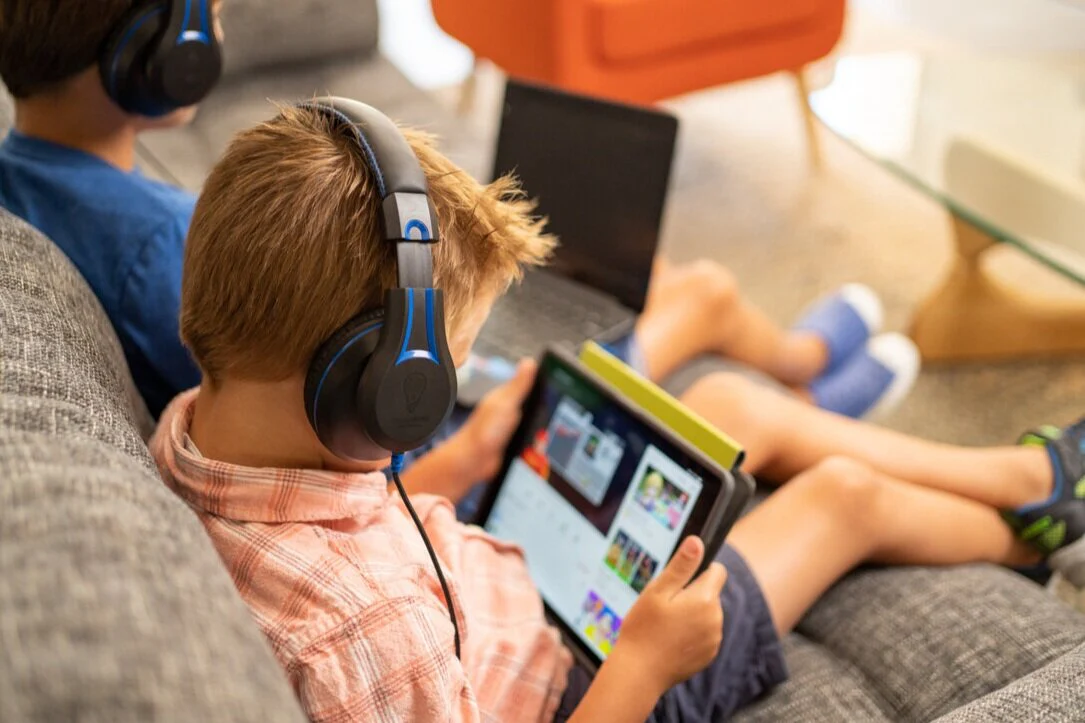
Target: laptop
600 173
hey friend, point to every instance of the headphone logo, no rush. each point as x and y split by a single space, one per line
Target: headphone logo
422 230
414 388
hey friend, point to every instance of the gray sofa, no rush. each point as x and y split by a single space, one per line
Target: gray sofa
114 607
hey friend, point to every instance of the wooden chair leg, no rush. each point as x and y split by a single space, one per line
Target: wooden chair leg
813 140
469 90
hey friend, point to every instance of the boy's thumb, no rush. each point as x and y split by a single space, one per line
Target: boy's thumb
682 567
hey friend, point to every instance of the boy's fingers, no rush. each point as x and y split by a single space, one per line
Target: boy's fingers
525 376
710 582
681 568
500 411
515 390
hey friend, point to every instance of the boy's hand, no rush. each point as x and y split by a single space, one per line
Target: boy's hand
486 432
474 453
674 630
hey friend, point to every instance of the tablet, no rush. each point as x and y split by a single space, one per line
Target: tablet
599 494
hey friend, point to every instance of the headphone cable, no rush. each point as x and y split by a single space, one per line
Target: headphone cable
397 466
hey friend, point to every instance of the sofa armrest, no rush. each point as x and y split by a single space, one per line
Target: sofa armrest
1054 692
114 605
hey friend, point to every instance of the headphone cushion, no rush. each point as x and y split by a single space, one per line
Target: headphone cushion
332 383
123 60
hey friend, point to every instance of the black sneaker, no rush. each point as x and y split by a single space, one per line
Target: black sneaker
1056 526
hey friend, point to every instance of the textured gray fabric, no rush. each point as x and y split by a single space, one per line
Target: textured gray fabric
302 31
63 369
114 605
910 644
821 688
932 640
1053 693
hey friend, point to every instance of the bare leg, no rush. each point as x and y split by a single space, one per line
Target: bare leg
842 513
784 437
696 309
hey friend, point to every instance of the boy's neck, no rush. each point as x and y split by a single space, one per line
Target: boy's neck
260 424
78 117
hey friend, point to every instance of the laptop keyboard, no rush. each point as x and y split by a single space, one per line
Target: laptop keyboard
548 310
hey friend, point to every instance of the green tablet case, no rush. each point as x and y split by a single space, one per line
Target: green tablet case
691 426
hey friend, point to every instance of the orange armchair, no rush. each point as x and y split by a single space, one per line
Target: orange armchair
642 51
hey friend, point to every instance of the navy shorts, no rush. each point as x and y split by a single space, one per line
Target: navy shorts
750 662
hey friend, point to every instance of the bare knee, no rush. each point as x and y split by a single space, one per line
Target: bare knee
713 284
845 487
723 395
738 407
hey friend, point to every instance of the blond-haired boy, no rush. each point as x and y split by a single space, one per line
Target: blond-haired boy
283 250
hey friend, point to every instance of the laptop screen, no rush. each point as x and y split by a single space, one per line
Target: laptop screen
600 173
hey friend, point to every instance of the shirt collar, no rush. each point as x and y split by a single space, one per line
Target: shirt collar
265 494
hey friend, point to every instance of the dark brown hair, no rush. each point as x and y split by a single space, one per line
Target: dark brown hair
45 42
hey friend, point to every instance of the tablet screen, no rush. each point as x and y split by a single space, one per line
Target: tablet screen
597 499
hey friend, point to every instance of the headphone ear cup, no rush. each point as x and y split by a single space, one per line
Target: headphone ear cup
123 61
409 387
332 388
182 72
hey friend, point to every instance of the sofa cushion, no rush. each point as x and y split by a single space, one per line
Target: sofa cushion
930 640
820 689
263 33
631 30
1052 693
114 606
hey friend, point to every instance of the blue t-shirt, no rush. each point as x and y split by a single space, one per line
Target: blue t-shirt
126 234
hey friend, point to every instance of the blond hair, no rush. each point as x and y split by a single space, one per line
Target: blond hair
284 246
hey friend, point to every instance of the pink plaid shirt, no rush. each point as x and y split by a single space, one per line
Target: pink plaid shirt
334 571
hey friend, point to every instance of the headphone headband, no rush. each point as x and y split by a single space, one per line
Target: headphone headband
409 219
405 386
188 24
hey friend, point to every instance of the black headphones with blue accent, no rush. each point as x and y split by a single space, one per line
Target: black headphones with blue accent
162 56
385 381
